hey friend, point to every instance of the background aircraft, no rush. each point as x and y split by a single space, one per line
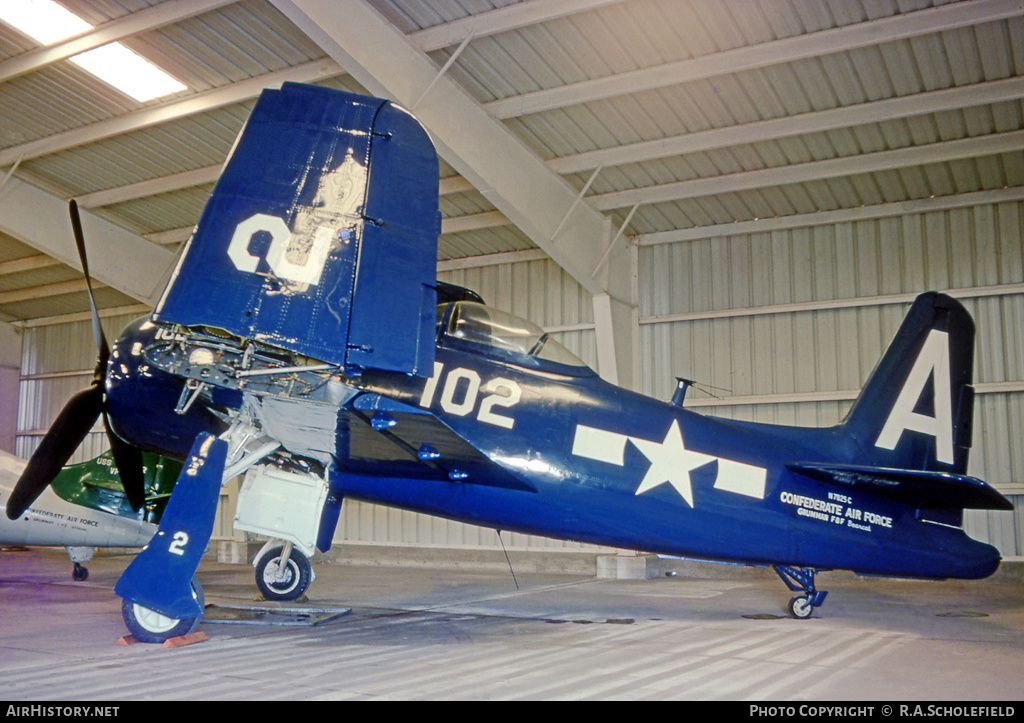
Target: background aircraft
85 508
303 336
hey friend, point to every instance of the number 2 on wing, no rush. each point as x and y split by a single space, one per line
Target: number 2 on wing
461 390
178 543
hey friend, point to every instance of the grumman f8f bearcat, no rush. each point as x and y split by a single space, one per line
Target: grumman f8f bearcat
304 337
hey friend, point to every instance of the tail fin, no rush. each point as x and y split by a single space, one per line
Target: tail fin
916 409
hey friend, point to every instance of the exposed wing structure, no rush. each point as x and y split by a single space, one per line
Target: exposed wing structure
377 434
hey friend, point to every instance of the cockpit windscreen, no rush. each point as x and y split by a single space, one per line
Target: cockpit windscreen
482 325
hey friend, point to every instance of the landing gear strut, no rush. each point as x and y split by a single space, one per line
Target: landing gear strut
801 580
282 572
78 555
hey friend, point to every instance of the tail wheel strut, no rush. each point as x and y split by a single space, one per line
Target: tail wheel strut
801 580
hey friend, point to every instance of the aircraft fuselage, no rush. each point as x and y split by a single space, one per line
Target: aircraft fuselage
612 467
550 449
556 451
54 522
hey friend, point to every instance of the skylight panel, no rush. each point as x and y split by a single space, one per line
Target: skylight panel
46 22
42 20
128 72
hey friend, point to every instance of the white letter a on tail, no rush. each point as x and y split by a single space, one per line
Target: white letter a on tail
933 361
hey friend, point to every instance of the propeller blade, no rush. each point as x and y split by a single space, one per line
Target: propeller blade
102 348
128 460
77 418
68 430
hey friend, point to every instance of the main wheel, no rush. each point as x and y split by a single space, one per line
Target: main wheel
288 583
149 626
800 607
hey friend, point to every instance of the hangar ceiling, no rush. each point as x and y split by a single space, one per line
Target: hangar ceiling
566 128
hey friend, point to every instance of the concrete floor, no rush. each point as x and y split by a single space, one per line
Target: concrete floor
425 633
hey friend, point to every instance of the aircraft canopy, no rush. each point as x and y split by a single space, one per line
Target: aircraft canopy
507 335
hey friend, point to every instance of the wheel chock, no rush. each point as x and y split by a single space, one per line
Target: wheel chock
183 640
176 642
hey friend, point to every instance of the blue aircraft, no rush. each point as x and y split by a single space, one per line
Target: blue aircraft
304 339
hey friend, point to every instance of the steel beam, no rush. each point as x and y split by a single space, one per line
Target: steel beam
934 101
508 174
895 209
787 50
151 18
169 111
117 258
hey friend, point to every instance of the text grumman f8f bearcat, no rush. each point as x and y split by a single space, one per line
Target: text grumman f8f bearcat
304 337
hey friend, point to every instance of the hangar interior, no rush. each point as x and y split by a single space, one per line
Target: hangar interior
747 193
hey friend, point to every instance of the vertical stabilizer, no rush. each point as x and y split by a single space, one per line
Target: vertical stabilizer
916 410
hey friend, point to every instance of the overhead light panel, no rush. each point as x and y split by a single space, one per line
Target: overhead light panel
46 22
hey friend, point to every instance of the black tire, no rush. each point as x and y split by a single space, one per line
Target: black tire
80 573
297 577
149 626
800 607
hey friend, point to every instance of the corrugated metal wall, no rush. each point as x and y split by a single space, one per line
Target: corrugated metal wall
786 323
791 322
58 360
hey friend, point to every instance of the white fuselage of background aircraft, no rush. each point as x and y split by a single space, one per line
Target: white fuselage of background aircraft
55 522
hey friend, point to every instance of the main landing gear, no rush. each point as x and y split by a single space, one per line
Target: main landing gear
801 580
282 572
78 555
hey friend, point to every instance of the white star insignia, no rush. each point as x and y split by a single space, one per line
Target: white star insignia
671 462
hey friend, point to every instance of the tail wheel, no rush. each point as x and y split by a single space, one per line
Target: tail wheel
800 607
149 626
801 580
283 583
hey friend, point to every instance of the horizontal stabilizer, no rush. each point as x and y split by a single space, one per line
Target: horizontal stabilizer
924 490
320 237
